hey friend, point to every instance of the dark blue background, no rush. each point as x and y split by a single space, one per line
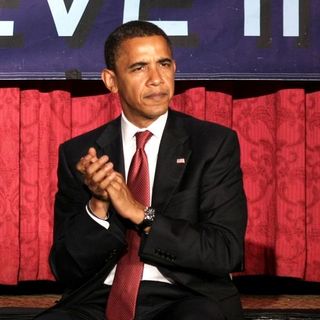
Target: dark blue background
217 48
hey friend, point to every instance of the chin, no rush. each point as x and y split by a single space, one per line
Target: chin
158 112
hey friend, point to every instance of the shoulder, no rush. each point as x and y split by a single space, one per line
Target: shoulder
80 144
208 141
84 138
201 129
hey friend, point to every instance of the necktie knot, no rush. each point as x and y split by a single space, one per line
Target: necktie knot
142 138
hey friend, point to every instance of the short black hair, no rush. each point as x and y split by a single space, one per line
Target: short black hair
129 30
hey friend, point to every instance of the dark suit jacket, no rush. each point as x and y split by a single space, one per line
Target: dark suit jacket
197 238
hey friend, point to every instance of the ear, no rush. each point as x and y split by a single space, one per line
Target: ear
110 80
174 65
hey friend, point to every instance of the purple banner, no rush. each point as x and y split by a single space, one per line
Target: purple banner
234 39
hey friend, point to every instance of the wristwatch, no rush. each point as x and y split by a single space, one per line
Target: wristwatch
149 216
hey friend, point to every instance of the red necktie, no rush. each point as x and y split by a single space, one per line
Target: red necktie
123 295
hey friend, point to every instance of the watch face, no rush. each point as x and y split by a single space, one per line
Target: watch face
149 214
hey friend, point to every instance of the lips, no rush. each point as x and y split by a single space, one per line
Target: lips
156 95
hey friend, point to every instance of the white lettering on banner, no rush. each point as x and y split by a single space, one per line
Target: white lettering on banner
291 18
252 18
171 28
6 28
252 21
67 22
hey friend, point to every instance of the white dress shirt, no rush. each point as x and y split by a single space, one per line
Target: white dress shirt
128 131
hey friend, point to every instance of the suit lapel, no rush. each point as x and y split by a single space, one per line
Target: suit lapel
110 143
173 156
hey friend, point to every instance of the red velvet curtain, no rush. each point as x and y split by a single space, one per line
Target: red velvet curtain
279 130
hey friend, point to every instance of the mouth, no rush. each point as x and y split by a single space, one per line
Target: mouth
156 95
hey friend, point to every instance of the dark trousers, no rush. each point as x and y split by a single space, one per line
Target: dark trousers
156 301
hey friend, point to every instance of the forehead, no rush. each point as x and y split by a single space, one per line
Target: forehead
142 47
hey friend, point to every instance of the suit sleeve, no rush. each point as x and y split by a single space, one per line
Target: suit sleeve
203 227
81 246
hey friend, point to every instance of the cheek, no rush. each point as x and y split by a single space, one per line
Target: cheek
171 84
169 78
132 93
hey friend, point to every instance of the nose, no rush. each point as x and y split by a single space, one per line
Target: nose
155 76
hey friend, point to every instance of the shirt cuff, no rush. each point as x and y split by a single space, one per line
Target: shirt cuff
103 223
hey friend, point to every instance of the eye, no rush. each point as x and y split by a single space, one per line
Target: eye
165 63
138 68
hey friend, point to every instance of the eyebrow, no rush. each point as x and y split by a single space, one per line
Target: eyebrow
165 60
143 63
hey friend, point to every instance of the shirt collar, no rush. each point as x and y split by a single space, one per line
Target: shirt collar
128 129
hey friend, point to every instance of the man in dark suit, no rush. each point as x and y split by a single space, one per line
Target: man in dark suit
191 232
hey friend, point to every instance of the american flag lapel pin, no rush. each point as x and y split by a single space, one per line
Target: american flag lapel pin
181 161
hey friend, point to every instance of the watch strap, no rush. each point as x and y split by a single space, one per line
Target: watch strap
149 216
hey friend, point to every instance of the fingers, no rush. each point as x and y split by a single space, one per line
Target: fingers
87 160
96 165
115 183
110 177
92 151
95 171
90 162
